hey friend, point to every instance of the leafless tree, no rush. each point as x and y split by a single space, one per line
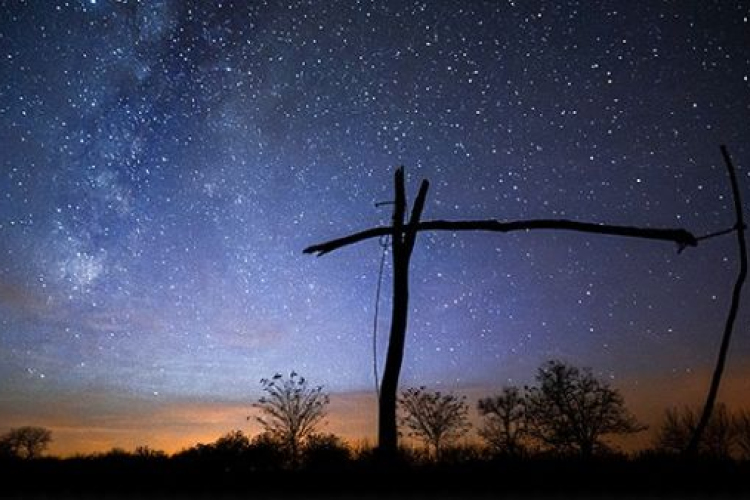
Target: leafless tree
26 442
571 410
675 430
504 428
291 410
719 436
435 418
742 430
678 427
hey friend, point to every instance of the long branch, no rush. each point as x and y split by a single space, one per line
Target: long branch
680 236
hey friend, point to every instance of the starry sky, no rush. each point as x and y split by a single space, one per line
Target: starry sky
163 164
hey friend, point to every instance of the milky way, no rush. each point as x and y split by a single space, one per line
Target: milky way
163 164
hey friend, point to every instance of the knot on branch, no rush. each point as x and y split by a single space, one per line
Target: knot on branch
685 239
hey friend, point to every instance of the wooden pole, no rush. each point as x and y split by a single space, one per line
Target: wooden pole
403 239
387 429
713 390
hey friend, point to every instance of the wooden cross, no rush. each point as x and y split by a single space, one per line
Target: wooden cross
403 234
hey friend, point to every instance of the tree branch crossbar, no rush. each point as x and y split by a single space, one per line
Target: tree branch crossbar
681 237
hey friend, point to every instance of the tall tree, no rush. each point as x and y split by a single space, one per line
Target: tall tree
291 410
571 410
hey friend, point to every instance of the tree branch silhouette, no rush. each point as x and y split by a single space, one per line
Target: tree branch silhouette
681 237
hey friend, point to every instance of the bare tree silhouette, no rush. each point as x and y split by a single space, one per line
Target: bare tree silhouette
678 427
291 410
435 418
742 429
571 410
504 428
26 442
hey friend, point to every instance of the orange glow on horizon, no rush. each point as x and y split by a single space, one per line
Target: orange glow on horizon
173 426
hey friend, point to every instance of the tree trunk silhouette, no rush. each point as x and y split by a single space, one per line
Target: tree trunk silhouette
403 244
403 236
713 390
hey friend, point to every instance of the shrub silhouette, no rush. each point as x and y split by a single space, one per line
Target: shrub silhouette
232 444
266 453
742 428
717 440
325 451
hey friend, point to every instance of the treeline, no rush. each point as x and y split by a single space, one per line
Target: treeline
568 413
556 429
237 464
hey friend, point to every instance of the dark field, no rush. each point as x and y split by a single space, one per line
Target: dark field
169 477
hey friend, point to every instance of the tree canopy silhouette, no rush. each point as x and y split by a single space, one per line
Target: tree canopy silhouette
26 442
571 410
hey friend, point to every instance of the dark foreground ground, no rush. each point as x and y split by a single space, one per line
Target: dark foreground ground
558 478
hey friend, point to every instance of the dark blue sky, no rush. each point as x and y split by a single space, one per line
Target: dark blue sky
164 163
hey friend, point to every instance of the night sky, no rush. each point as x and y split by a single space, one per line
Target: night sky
164 163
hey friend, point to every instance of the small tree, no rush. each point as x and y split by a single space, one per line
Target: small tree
434 418
742 431
26 442
504 426
677 428
719 435
571 410
291 411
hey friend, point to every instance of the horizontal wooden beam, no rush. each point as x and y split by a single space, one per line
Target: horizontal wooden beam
681 237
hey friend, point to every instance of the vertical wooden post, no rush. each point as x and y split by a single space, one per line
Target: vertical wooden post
403 239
